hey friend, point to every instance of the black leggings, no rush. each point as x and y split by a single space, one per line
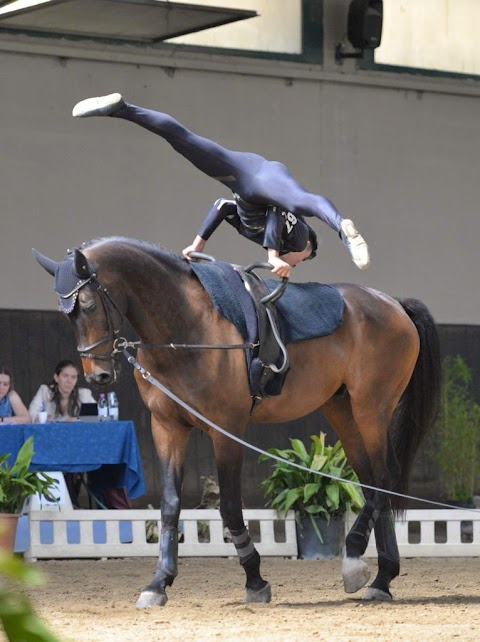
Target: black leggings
255 179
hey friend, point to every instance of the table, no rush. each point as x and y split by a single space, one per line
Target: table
110 447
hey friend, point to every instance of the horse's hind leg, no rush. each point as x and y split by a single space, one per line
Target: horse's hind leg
388 557
375 511
229 456
171 446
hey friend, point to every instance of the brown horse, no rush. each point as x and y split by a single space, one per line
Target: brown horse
384 358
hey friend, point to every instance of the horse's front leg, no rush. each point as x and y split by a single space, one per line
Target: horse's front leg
229 456
171 446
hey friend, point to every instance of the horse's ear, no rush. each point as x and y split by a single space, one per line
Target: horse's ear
81 266
48 264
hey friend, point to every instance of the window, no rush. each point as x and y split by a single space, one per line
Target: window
431 35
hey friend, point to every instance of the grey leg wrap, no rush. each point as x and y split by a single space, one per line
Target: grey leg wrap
243 544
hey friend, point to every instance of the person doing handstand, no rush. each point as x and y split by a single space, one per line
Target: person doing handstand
268 205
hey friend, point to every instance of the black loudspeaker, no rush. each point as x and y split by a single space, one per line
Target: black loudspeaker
365 19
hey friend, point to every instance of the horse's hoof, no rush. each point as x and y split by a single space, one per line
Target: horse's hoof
263 595
150 598
355 574
377 595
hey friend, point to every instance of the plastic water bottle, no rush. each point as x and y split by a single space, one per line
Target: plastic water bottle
102 407
113 406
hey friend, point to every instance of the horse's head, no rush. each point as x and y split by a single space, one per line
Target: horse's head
92 310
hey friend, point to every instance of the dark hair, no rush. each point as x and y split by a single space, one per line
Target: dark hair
73 405
6 371
312 237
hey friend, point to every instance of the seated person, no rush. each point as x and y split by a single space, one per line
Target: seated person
12 408
62 399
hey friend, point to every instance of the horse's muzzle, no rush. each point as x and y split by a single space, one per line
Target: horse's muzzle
101 378
101 373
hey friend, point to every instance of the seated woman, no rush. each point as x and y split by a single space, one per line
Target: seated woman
62 399
12 408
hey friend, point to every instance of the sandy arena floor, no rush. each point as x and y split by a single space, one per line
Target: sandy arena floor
435 599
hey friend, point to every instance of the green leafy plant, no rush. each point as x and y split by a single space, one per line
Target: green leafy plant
457 436
19 621
17 482
308 493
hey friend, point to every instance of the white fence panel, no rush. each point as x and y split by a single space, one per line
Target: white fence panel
115 533
435 533
60 534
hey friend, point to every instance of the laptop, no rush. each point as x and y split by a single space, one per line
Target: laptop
88 412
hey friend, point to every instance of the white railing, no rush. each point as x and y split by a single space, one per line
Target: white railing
64 533
61 533
435 533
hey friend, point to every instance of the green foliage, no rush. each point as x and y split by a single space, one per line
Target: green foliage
17 482
307 493
19 621
457 435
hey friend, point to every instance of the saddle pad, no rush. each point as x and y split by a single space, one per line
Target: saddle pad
307 310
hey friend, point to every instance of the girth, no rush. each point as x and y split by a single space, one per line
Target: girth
269 361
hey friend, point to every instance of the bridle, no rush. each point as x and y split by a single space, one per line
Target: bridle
113 329
120 343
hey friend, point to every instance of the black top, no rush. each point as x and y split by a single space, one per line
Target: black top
270 227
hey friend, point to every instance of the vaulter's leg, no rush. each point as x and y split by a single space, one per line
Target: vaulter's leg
229 167
171 446
229 456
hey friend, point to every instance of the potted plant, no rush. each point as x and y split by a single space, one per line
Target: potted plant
319 502
456 441
16 484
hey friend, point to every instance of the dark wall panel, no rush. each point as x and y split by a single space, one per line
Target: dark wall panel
32 342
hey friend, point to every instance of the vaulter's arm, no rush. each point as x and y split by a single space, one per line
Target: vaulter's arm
222 209
272 241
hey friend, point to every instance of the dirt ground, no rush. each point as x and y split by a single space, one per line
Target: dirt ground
435 599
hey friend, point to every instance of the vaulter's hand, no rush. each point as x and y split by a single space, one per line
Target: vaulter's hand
198 245
280 268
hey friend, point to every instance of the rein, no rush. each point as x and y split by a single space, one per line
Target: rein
119 343
151 379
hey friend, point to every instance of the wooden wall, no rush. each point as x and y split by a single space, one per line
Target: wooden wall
32 342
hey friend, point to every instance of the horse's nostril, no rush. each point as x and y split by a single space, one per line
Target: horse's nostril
103 378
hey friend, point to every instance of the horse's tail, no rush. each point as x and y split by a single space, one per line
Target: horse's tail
419 405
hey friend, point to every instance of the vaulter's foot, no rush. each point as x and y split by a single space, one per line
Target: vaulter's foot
355 243
98 106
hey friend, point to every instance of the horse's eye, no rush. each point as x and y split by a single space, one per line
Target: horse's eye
88 306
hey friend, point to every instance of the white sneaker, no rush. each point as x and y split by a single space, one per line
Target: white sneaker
356 244
99 106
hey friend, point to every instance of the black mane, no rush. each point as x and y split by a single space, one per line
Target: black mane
152 249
